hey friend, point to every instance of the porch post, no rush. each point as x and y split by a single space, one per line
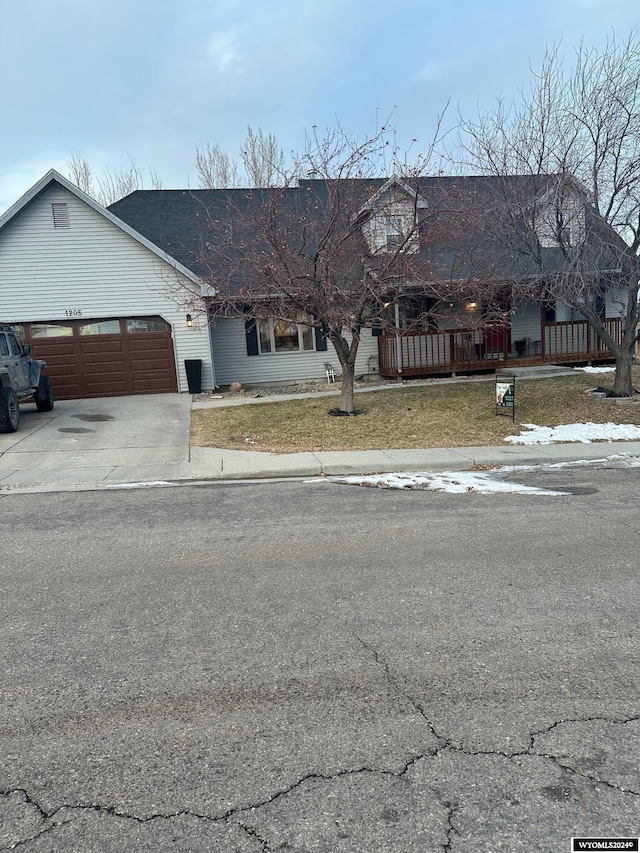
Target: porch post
398 341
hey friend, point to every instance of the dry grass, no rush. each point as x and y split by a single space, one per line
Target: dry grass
437 415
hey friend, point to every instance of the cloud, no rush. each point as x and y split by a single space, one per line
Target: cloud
435 71
224 54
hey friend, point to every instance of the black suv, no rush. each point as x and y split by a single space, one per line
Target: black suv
21 378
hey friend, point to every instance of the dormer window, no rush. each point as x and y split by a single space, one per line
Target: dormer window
560 221
564 228
556 227
393 232
60 213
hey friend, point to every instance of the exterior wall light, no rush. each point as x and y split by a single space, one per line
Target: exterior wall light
189 321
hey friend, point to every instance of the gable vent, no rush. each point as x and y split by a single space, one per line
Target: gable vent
60 213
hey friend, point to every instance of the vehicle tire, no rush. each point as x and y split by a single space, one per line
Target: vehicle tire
9 410
44 395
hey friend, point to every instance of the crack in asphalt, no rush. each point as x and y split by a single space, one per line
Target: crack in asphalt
233 815
42 832
253 834
557 760
595 719
225 817
446 743
452 809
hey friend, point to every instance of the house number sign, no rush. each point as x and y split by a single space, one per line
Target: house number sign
73 312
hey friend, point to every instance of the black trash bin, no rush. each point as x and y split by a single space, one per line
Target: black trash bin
193 368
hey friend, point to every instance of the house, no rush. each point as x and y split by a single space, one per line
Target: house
115 300
93 297
184 223
467 332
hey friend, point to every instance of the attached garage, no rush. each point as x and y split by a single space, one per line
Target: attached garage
108 310
104 357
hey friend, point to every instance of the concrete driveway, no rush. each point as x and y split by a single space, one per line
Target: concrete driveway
89 441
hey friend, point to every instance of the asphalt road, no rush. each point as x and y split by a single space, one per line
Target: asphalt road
320 667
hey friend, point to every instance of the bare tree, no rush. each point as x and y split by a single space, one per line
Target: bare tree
112 186
263 159
574 139
155 180
261 156
216 169
80 173
320 255
115 185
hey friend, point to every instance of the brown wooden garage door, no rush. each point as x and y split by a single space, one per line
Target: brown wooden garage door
104 358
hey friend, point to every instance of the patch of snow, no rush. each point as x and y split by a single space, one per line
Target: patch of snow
477 482
596 369
583 433
143 485
480 482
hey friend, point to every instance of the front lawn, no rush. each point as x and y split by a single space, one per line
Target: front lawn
413 416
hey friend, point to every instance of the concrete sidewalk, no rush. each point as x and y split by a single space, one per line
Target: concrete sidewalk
117 441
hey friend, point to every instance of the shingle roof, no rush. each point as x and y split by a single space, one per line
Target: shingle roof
181 222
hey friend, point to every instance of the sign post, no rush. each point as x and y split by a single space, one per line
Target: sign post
506 395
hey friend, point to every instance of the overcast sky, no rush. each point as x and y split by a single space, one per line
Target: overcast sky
153 79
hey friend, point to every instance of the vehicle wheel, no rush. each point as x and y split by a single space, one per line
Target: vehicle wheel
44 395
9 410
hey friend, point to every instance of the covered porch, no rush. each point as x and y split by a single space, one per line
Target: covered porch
476 349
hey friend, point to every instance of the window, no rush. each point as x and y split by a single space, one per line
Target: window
50 330
60 213
100 327
4 346
560 224
393 232
145 325
14 346
277 336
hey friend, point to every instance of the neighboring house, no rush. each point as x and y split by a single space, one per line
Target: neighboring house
113 299
93 297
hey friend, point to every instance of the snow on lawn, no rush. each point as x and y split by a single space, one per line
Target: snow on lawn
583 433
596 369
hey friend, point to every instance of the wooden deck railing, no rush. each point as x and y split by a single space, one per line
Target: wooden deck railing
422 353
577 338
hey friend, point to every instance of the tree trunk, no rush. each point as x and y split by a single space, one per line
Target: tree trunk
347 356
346 395
623 382
624 351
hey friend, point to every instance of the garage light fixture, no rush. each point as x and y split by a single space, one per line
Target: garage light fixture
189 321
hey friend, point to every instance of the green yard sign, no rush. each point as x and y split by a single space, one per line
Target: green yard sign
506 395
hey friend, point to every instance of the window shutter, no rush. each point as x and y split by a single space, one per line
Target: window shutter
251 332
321 341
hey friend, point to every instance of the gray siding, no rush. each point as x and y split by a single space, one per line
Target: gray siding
525 322
234 365
93 268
